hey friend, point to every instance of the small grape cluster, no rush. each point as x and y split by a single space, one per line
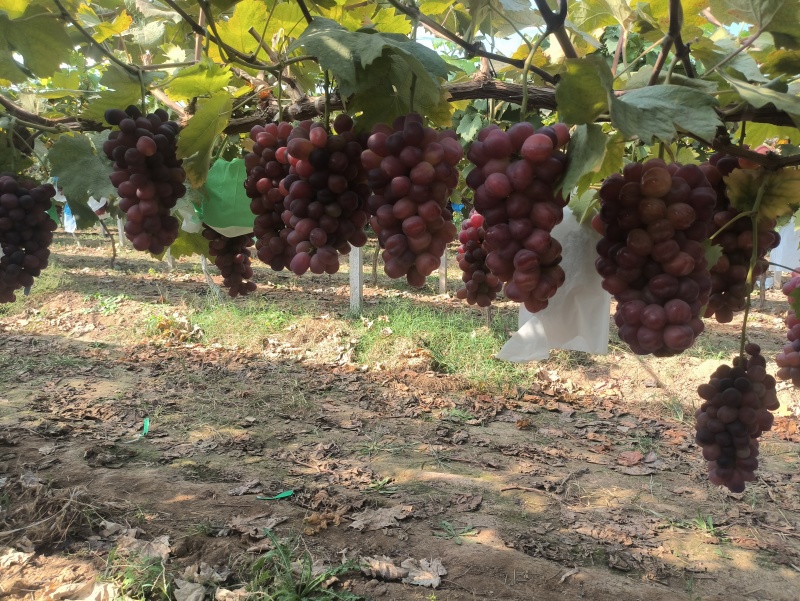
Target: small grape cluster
788 360
736 409
412 171
263 185
654 219
232 257
326 192
734 234
147 175
26 231
480 285
514 177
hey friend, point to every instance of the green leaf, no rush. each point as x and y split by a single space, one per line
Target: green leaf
785 26
188 244
782 62
641 79
713 253
14 9
197 139
759 96
387 20
80 170
156 9
124 88
203 79
584 205
148 35
780 196
758 133
656 113
794 301
612 162
39 39
757 12
587 148
435 7
469 126
582 93
11 159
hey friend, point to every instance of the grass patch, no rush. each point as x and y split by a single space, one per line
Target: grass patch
458 342
247 322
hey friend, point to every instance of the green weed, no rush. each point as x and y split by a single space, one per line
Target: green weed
450 532
138 577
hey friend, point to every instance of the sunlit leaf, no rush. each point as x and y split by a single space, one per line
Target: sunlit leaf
202 79
780 195
105 30
196 141
14 9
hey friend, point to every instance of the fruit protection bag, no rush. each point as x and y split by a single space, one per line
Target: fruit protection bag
226 206
577 317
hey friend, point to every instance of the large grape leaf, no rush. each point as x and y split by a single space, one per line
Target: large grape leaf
757 12
81 172
780 194
39 39
658 112
197 139
759 96
188 244
123 89
781 62
587 147
11 159
582 92
202 79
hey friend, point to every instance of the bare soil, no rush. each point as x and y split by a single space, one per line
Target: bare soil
585 484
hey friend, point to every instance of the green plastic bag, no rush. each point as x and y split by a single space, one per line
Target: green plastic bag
53 212
226 206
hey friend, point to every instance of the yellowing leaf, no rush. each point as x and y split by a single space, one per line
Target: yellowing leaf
203 79
780 195
387 20
14 8
105 30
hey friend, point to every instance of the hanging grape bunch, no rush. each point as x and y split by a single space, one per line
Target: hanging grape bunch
737 407
412 171
232 257
26 231
654 219
480 285
788 360
734 234
263 185
325 195
147 175
514 181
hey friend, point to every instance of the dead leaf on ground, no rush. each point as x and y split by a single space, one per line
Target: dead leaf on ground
251 487
467 502
629 458
636 470
424 572
158 548
188 591
81 591
382 567
377 519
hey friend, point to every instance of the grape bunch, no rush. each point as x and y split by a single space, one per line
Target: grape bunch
263 185
232 257
788 360
26 231
654 219
412 171
326 191
734 234
514 177
480 285
147 175
736 409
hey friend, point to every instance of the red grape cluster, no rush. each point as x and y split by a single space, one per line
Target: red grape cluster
789 359
232 257
734 234
654 219
147 174
326 192
514 177
263 185
26 231
412 171
737 408
480 285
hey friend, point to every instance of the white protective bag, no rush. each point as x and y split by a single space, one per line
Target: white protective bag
578 316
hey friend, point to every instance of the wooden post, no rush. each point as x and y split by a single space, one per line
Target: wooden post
121 232
443 273
356 279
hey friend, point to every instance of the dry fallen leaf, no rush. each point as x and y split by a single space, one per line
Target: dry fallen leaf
382 567
629 458
376 519
424 572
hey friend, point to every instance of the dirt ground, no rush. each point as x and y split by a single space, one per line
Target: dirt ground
583 484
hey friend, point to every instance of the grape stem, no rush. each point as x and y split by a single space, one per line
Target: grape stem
732 221
523 111
786 267
753 261
327 88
